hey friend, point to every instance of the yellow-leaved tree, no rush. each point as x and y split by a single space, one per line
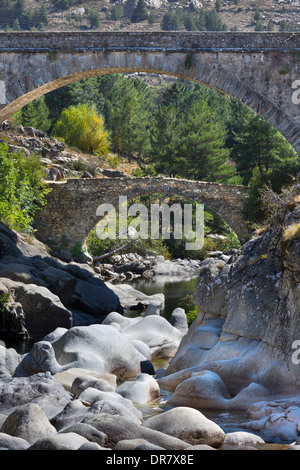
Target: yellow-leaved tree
80 126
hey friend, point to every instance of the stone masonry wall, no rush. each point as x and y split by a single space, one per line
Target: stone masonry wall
70 213
258 69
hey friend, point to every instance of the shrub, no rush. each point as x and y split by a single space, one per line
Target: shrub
80 126
22 190
292 232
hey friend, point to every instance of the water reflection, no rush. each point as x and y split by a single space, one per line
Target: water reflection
175 289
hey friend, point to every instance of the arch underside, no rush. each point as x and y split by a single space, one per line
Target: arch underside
58 74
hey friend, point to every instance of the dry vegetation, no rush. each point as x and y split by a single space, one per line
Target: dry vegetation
238 16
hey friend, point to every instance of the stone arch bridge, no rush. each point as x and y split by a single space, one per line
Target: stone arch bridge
71 210
262 70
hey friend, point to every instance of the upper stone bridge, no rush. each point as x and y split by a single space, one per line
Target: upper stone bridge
71 210
262 70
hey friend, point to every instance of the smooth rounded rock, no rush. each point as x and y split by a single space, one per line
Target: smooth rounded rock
88 432
91 446
65 441
91 395
204 389
13 443
67 377
241 437
136 444
189 425
82 383
119 428
99 348
142 390
160 336
178 319
41 388
28 422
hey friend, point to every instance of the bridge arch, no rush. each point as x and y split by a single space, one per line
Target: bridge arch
71 210
258 70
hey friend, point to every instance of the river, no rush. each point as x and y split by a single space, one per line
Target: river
178 291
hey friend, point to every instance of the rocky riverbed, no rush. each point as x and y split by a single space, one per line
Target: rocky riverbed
95 388
100 380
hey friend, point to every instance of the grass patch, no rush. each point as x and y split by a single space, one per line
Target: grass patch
292 232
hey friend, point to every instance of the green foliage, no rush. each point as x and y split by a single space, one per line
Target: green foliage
116 12
276 178
218 5
171 21
257 16
64 4
113 161
77 252
188 140
142 172
191 309
259 26
263 157
198 20
185 130
191 315
94 19
97 247
151 18
289 26
16 15
285 70
22 190
82 127
188 61
140 12
127 110
4 299
35 114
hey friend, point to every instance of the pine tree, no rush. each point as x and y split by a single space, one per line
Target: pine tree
41 16
190 22
94 19
36 114
140 12
218 5
257 144
164 140
259 26
171 21
203 155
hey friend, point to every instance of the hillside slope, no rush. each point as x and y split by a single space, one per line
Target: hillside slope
236 14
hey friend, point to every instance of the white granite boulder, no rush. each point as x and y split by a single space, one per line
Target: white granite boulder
142 390
99 348
28 422
189 425
160 336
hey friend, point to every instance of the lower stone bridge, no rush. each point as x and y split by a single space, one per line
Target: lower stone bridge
71 210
